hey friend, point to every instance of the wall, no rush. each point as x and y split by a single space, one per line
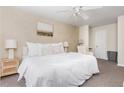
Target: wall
121 41
84 35
111 30
1 35
21 26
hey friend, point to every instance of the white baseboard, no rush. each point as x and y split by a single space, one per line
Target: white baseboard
120 65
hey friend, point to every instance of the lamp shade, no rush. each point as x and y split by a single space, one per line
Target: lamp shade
66 44
11 43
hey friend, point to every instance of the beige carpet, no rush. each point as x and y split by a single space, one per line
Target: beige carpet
110 76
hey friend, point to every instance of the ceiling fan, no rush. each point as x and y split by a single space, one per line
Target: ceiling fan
79 11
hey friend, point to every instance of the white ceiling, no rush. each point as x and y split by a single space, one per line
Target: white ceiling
102 16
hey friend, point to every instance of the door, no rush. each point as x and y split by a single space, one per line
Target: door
101 44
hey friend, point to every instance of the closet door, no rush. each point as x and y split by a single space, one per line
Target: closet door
101 44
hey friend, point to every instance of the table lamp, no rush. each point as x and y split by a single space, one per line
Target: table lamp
11 44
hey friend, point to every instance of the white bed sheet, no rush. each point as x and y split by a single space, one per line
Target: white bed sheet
61 70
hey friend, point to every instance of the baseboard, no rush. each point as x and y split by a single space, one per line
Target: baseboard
120 65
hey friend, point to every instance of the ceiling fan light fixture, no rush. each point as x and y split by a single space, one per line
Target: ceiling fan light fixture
79 11
74 14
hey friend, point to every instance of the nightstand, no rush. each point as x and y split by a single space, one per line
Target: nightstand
9 66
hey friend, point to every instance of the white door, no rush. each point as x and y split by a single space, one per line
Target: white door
101 44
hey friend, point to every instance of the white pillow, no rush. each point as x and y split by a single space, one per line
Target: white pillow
37 49
49 49
34 49
61 48
57 48
46 49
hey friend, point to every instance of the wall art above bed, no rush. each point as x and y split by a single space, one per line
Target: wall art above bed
44 29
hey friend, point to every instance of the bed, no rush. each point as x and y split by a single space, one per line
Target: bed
57 70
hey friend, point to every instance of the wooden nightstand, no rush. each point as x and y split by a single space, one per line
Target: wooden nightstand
9 66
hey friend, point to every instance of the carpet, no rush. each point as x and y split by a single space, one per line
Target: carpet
110 75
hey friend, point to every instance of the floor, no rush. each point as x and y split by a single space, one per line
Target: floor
110 76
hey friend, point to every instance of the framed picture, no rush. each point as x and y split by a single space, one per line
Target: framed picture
44 29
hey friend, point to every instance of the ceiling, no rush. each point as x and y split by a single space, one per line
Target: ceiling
102 16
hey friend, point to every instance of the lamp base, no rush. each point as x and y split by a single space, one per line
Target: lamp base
66 49
11 54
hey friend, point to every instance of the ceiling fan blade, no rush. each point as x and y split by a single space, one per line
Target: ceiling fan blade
85 8
84 16
64 11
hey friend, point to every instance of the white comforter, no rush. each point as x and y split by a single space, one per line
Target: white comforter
67 69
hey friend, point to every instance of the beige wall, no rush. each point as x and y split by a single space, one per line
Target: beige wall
121 40
111 30
19 25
